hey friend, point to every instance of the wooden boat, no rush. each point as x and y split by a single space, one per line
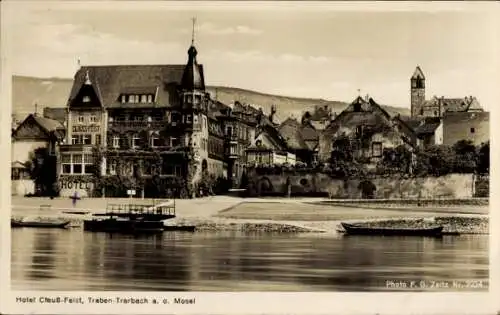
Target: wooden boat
37 224
114 225
76 212
183 228
357 229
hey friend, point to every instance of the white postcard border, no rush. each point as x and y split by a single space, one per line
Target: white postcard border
247 303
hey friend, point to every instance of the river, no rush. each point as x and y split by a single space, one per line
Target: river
52 259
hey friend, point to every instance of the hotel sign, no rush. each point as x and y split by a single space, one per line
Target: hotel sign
74 183
86 129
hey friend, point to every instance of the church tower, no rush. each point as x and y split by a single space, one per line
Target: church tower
417 92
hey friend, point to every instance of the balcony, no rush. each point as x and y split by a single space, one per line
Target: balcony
232 139
136 124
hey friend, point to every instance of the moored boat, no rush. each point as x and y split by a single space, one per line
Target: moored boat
114 225
38 224
183 228
358 229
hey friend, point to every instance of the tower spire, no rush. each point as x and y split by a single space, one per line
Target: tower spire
193 19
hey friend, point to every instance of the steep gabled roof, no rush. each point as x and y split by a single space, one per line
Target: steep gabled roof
418 73
192 77
112 81
48 126
291 131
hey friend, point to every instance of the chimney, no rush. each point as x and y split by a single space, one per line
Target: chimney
273 112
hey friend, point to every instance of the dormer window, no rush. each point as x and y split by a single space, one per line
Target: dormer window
150 98
144 99
131 99
124 99
86 99
81 119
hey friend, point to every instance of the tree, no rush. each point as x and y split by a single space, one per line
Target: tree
437 160
395 160
43 171
483 158
465 157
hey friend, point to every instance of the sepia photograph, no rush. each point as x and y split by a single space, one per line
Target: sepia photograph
203 147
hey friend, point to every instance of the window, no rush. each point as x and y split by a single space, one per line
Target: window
116 141
150 98
136 98
376 149
124 98
97 140
93 119
435 113
155 140
472 130
174 142
359 131
112 168
197 99
169 170
178 170
144 98
81 119
86 99
188 119
66 163
420 83
87 139
229 131
195 119
131 99
135 141
189 98
88 161
76 139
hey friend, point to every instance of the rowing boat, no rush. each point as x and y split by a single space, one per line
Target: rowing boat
37 224
357 229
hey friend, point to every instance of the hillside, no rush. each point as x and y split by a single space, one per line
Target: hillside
53 92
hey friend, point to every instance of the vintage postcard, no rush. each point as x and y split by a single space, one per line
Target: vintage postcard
249 157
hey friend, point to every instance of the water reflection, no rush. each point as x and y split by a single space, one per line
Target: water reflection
77 260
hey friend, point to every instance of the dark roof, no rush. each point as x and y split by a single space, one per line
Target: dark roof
465 116
111 81
411 122
55 113
454 104
418 73
309 133
321 113
192 78
139 90
291 131
428 126
274 136
49 126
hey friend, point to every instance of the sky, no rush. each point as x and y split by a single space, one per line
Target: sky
333 51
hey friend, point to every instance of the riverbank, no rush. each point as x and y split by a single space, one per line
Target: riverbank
291 215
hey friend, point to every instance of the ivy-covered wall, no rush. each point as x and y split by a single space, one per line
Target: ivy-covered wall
307 183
